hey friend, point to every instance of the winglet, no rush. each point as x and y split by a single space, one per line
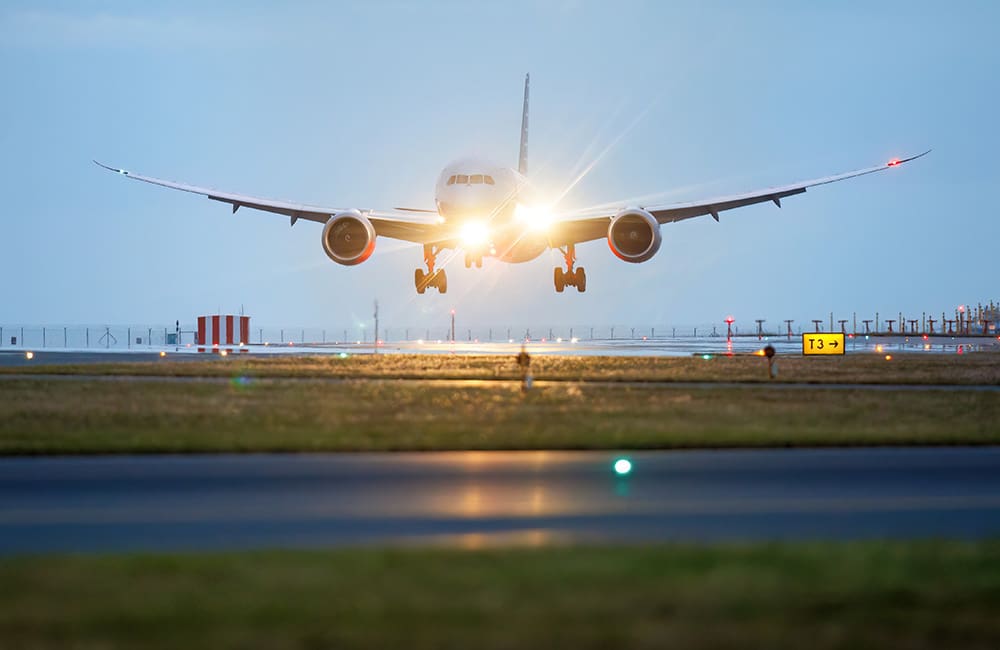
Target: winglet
112 169
900 161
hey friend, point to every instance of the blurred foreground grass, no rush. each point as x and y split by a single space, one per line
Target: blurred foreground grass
117 416
858 595
904 368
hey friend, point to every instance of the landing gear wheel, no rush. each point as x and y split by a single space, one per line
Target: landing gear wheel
581 280
432 277
468 261
479 262
560 279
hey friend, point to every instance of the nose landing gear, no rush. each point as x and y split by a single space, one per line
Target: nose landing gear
569 277
432 278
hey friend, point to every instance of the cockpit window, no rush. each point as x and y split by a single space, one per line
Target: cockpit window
462 179
488 180
476 179
451 181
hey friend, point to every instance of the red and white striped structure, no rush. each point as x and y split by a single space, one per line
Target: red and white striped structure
217 343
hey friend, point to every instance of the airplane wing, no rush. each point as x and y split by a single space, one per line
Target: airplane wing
386 224
582 227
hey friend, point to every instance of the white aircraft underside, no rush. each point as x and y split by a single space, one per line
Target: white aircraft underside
481 209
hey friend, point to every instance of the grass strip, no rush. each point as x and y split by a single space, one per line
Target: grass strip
67 416
903 368
860 595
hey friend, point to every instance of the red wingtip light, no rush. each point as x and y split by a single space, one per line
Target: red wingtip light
893 162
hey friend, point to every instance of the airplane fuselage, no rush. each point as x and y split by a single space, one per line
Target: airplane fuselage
481 202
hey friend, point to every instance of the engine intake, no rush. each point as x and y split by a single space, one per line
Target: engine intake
634 235
349 238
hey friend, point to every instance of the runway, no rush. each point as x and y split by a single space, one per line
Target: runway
632 347
473 499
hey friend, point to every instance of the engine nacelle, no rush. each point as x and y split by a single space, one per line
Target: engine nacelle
349 238
634 235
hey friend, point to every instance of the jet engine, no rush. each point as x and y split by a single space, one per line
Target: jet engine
634 235
349 238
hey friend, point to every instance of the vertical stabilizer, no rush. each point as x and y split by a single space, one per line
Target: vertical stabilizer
522 161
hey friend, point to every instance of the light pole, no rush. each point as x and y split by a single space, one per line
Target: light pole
729 327
452 325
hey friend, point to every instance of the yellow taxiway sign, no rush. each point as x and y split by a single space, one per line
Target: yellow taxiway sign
822 343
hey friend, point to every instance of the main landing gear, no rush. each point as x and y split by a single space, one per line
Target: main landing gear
431 278
569 277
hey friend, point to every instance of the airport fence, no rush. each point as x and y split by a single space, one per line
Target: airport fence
107 337
145 336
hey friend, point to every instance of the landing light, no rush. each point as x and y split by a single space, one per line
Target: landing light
475 233
623 466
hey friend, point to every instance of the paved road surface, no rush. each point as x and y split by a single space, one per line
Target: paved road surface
680 346
481 498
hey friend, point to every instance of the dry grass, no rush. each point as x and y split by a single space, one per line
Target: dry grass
86 416
912 368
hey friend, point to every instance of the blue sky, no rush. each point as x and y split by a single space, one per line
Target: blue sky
361 104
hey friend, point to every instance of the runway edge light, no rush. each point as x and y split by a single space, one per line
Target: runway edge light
623 466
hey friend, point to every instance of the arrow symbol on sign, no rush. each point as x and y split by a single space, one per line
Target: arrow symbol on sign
834 343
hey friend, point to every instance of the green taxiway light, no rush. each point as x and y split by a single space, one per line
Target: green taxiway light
343 355
706 357
623 466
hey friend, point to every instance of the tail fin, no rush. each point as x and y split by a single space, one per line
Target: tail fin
522 161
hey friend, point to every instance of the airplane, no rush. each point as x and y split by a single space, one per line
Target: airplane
482 212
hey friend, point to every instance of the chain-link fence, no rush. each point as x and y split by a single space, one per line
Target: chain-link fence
107 337
139 337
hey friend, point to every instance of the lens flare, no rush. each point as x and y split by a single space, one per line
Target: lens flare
475 233
537 218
